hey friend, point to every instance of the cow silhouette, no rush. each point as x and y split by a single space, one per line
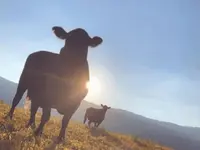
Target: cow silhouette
95 115
57 80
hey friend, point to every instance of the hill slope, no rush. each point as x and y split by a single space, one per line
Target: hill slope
175 136
14 135
8 89
121 121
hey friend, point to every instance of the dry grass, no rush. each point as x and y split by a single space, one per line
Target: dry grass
14 136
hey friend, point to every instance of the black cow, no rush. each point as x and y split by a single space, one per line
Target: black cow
57 80
95 115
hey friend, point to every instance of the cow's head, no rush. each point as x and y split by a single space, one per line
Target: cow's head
77 41
105 107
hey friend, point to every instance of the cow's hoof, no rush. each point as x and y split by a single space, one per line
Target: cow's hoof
8 116
32 125
38 133
27 125
60 140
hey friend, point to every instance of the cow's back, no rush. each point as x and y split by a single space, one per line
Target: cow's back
43 62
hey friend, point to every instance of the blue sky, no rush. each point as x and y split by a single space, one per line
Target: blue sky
149 61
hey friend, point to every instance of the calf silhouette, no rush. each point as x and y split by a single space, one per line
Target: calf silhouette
95 115
57 80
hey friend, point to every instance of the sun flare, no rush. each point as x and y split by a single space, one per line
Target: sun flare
94 86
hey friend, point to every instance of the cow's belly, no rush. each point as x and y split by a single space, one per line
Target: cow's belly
55 92
95 118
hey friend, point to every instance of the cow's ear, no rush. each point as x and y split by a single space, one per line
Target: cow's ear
95 41
60 32
101 105
109 107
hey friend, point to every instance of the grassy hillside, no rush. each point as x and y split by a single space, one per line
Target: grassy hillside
162 132
13 135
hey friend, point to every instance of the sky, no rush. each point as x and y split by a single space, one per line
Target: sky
149 60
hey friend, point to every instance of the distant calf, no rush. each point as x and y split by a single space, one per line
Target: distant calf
95 115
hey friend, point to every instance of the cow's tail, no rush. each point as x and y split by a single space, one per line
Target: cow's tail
85 117
21 88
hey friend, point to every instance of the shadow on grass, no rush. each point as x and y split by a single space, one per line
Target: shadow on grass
54 144
51 146
98 132
6 145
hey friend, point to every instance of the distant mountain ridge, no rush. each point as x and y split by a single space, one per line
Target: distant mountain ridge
122 121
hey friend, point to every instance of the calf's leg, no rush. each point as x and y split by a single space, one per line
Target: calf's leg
97 125
46 112
89 123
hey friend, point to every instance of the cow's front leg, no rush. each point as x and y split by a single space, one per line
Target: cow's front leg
65 122
46 112
34 108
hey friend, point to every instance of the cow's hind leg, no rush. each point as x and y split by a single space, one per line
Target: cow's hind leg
97 125
89 123
34 108
46 112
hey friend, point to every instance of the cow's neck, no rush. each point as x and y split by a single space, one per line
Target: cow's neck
74 56
104 111
73 64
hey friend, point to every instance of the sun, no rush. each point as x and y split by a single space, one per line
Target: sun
94 86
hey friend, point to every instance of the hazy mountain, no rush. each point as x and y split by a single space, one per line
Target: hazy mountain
117 120
7 90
